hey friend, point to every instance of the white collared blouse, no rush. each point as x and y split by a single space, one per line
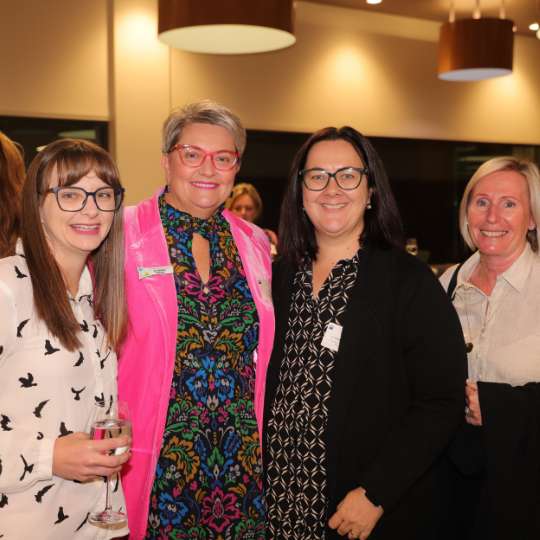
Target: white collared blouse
503 327
46 392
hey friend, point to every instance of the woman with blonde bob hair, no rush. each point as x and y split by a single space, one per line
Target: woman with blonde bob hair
62 316
494 459
11 181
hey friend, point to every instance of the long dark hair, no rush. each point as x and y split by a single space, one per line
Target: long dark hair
382 223
71 159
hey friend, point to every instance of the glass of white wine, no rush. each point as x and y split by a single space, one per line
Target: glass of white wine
111 420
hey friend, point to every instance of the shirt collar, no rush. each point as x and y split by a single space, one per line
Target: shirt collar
515 276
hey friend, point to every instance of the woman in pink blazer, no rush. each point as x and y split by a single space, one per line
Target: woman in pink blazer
194 363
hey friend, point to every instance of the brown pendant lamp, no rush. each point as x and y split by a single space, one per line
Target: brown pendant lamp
476 49
227 26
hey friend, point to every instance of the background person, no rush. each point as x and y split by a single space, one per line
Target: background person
365 382
57 342
246 202
496 456
193 366
11 182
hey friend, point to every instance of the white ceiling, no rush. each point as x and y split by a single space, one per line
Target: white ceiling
522 12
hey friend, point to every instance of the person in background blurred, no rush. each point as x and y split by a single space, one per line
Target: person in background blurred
193 367
11 182
62 316
495 459
246 202
365 382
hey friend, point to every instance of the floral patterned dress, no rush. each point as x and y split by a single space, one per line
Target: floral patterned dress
208 482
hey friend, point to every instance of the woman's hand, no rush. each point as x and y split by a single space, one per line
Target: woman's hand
356 515
77 457
473 414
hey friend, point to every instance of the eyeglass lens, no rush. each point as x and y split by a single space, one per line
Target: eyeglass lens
193 156
73 199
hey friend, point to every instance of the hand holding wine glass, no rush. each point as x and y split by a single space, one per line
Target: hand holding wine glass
111 424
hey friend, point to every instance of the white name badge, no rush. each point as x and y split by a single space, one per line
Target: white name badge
147 271
332 336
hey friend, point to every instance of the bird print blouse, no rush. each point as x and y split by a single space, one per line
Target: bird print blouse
47 392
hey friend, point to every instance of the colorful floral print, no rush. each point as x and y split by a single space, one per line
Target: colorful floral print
208 482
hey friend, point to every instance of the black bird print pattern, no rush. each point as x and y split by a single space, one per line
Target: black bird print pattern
77 393
46 392
28 381
4 422
82 524
27 468
19 274
21 325
39 495
39 408
49 349
64 430
80 360
61 516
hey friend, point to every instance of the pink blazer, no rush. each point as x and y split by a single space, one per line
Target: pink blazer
148 353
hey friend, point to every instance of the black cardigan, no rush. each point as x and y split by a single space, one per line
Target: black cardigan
398 388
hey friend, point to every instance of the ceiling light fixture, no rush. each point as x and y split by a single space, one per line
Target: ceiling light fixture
374 1
477 48
228 27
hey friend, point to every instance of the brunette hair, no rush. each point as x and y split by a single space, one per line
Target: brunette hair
202 112
70 160
382 223
11 182
522 166
250 190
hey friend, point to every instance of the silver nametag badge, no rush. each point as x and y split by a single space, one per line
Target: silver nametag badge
147 271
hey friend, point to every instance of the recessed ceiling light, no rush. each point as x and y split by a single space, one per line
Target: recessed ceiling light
534 27
373 1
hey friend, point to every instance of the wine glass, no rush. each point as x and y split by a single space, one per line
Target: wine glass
109 422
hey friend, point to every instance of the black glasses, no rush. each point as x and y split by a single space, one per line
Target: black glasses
193 156
73 199
347 178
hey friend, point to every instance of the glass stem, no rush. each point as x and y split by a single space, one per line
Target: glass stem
107 500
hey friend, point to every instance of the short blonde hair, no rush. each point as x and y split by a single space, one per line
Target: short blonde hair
244 188
202 112
522 166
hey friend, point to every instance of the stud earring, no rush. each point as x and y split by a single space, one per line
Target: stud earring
368 205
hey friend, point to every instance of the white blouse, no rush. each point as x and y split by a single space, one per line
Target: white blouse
46 392
503 327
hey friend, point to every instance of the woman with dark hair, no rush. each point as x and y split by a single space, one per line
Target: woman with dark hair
11 181
59 328
365 382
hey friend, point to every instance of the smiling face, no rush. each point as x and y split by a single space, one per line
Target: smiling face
72 236
335 213
199 191
245 207
499 215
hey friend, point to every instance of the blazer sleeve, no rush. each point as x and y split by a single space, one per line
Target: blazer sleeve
431 347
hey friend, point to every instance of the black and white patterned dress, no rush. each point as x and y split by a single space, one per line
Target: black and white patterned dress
296 492
46 392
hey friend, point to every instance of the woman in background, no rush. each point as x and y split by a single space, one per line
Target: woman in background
59 328
246 202
11 181
495 459
365 382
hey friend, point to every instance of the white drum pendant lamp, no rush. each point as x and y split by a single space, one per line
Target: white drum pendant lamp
227 26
